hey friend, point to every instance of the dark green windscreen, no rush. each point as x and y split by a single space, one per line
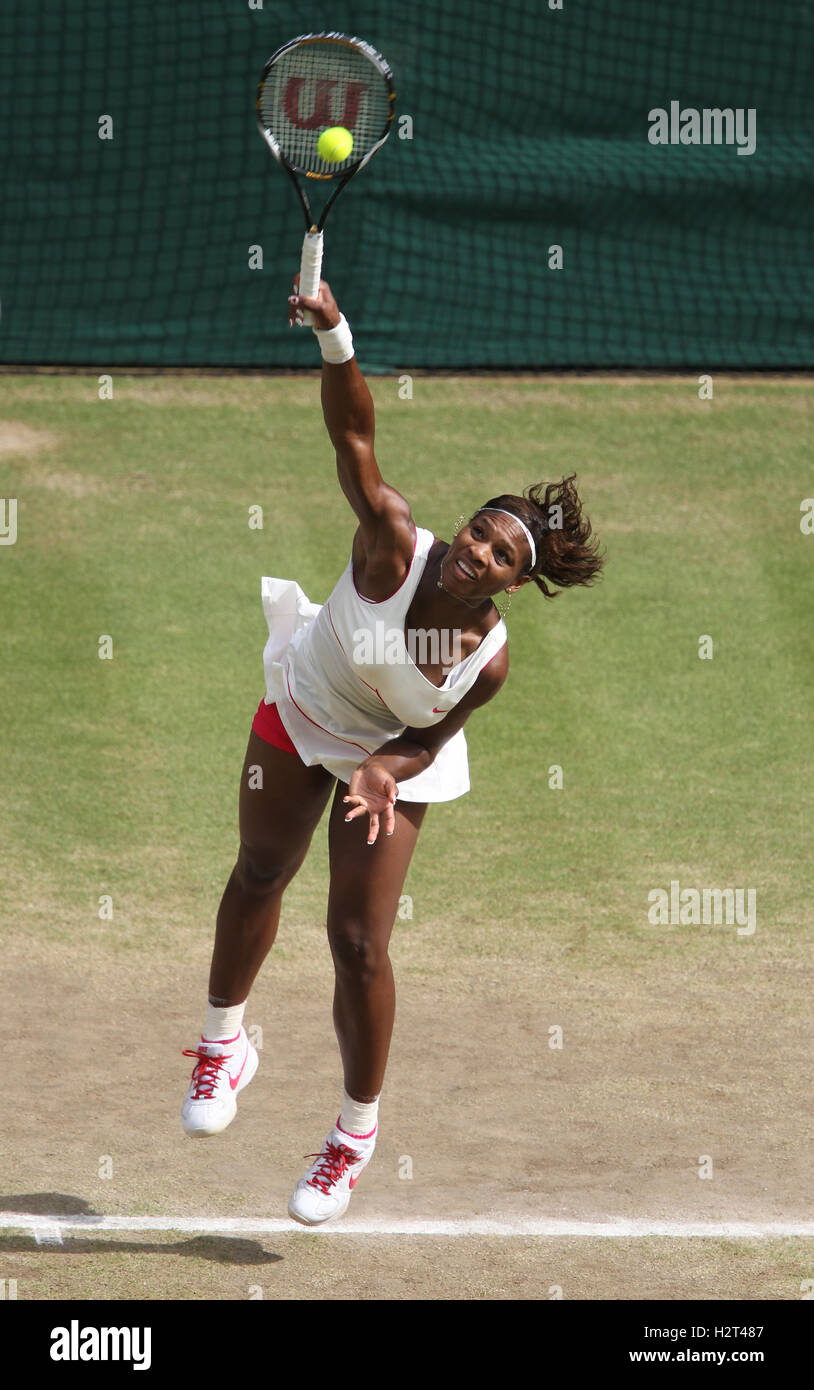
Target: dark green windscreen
529 131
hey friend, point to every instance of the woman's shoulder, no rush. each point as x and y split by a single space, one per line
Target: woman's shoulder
379 572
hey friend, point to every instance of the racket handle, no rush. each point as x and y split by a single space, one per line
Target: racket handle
310 269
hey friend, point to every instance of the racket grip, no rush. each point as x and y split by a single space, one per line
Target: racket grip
310 269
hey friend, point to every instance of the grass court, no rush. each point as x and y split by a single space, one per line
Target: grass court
685 1048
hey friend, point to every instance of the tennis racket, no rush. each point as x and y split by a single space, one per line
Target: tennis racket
311 83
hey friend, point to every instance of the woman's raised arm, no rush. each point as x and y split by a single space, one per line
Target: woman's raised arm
347 406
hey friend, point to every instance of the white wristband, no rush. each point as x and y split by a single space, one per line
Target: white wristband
336 344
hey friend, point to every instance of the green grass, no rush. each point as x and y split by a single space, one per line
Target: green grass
301 1266
121 776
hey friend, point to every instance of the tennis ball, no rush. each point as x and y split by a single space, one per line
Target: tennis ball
334 144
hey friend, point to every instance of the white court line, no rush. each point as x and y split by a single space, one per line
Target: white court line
617 1228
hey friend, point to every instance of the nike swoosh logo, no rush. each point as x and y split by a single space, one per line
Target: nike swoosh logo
233 1080
436 710
353 1181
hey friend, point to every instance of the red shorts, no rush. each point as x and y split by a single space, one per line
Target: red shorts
269 726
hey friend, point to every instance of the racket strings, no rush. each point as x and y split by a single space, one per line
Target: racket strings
317 85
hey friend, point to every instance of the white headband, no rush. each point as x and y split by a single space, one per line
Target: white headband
520 523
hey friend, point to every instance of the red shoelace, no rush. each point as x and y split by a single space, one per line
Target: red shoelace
335 1161
205 1075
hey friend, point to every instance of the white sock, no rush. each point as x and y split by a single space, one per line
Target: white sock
357 1119
223 1025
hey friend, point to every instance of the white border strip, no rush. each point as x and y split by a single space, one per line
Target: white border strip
52 1228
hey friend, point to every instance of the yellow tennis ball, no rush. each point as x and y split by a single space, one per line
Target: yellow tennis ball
334 144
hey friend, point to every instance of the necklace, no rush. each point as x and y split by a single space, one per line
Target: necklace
439 585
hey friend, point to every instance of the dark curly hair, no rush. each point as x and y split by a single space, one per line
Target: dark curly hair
567 552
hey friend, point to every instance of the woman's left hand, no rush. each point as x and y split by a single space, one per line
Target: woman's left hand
373 792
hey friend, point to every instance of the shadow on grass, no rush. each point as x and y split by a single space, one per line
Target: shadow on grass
222 1250
225 1250
48 1204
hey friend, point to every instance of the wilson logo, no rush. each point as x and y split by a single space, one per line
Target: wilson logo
323 103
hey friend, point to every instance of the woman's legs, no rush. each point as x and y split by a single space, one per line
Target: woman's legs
366 883
277 821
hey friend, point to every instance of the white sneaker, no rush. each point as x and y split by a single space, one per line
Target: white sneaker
221 1071
324 1191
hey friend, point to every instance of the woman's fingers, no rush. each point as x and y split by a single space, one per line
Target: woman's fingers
375 822
322 304
295 304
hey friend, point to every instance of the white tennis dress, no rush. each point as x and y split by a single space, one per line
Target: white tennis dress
339 701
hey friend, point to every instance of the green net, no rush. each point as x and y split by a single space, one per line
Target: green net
519 129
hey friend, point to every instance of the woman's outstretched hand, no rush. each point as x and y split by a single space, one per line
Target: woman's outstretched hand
373 792
324 308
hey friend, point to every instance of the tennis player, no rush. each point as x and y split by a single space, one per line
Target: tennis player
361 708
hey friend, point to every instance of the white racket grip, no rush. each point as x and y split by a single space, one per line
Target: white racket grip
310 269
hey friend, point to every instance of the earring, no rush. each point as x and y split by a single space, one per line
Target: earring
503 611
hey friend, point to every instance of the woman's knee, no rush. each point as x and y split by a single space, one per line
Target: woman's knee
261 872
358 948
